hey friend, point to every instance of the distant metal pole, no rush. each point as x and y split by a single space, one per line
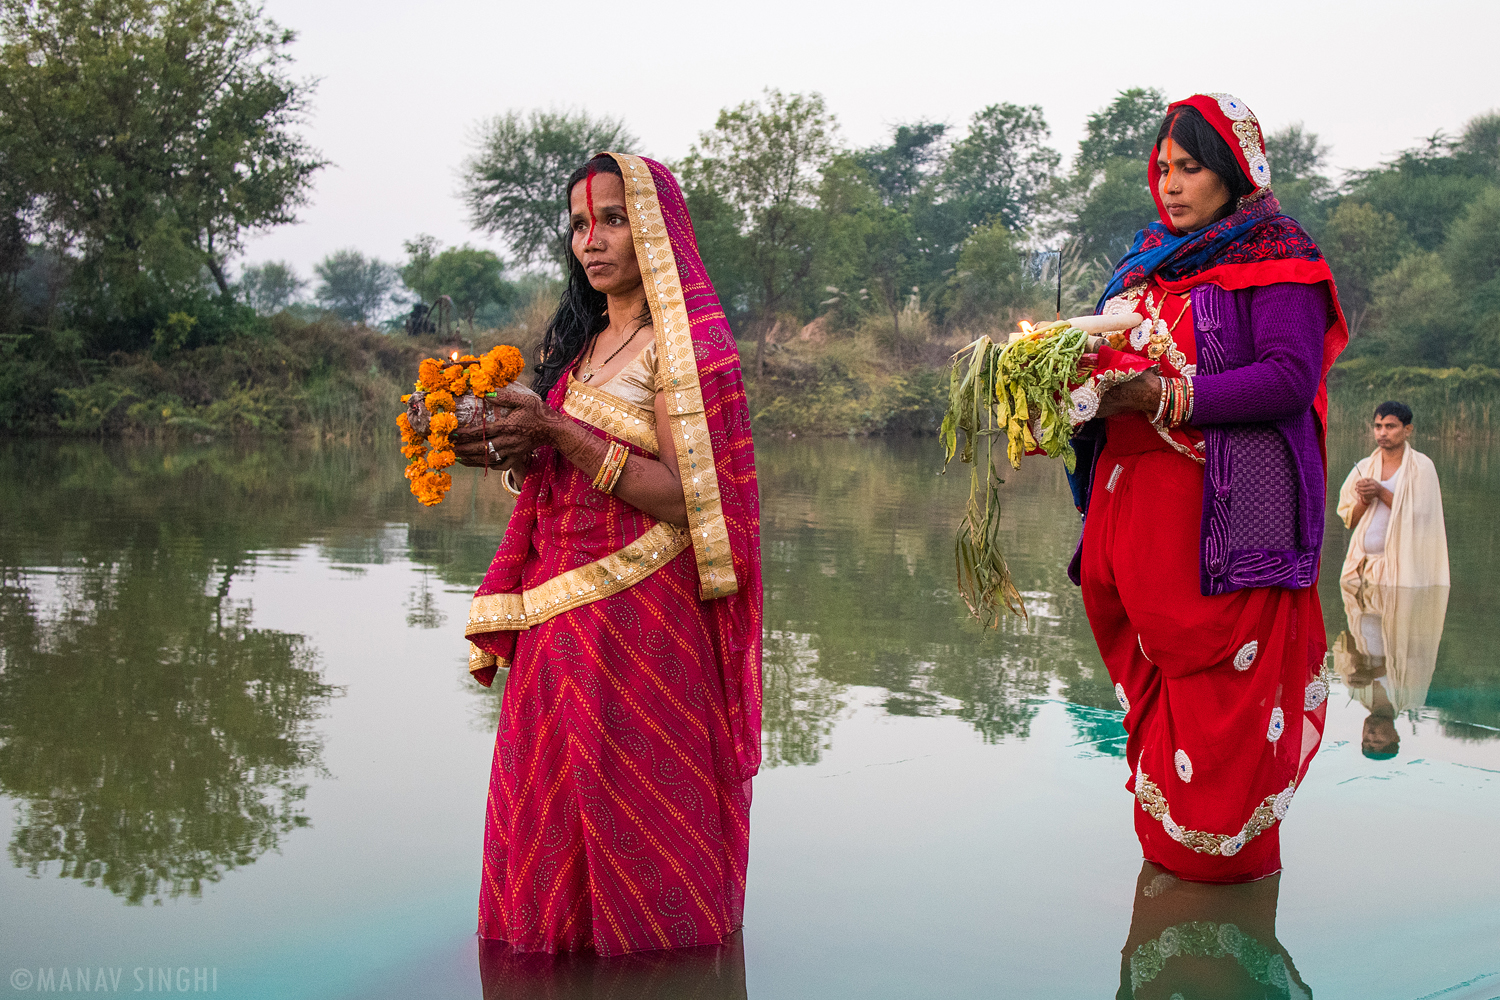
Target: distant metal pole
1059 282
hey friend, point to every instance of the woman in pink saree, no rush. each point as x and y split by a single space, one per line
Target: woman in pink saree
625 598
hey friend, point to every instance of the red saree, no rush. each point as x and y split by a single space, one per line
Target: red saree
1224 693
1220 729
618 815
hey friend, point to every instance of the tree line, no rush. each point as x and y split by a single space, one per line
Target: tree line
142 142
968 226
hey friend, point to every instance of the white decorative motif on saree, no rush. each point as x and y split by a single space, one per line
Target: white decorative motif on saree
1271 810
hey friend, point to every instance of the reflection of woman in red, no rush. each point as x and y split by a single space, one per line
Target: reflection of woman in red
625 599
1204 490
1193 940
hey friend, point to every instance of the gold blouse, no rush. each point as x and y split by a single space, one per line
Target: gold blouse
636 382
624 406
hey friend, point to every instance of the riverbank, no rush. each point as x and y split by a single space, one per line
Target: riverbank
1447 402
327 380
322 379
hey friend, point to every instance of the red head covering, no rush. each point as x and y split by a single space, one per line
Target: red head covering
1255 246
1238 127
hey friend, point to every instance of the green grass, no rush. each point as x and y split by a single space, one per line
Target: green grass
1446 402
322 379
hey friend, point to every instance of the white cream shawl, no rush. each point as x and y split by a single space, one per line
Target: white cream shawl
1416 541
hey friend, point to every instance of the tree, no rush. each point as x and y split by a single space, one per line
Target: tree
472 278
1117 206
1472 256
990 278
1362 246
151 137
719 228
764 158
270 287
1126 129
1478 149
869 252
356 287
890 260
1418 309
515 183
1298 160
1108 196
915 154
1002 167
415 273
1472 251
1426 188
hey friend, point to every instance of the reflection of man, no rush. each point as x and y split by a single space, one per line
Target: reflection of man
1394 504
1388 655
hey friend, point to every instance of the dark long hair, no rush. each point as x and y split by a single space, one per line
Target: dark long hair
1187 127
580 312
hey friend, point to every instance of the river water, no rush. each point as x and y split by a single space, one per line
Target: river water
240 752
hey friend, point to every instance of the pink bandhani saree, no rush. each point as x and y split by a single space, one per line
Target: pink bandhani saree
619 801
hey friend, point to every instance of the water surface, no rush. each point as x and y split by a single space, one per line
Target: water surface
238 742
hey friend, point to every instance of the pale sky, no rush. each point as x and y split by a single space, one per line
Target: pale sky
403 84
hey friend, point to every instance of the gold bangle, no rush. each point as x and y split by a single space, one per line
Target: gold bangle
619 469
507 480
610 469
614 480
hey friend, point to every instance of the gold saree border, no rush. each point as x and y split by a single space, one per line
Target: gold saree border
677 376
479 660
612 415
1265 815
616 572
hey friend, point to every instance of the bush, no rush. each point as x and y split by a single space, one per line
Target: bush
287 375
847 386
1447 401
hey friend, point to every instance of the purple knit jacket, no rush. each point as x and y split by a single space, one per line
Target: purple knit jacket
1260 360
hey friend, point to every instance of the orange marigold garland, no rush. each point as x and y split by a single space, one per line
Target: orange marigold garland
440 382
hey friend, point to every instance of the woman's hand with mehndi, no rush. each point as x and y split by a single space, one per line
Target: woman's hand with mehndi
507 441
1142 394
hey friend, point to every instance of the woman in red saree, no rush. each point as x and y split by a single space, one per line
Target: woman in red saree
1203 492
625 598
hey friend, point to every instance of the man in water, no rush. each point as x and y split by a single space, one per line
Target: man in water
1394 504
1394 581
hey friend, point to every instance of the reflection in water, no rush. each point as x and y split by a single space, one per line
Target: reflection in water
1388 654
1194 939
422 610
1464 696
712 973
1102 729
858 564
153 739
801 706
